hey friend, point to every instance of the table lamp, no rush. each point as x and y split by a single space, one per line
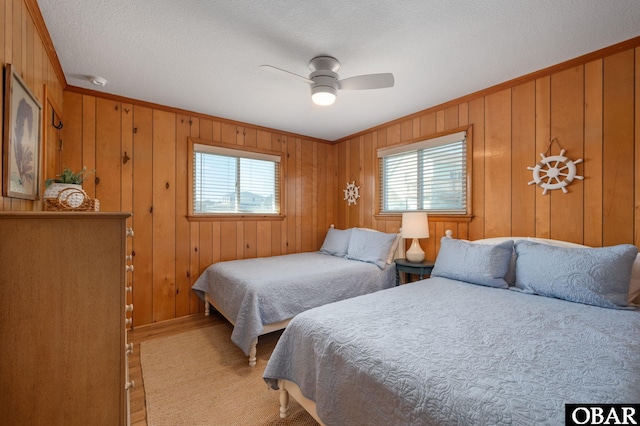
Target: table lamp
415 225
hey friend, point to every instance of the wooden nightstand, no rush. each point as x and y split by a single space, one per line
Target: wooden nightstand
403 265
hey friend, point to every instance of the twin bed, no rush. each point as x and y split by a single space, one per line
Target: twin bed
259 296
506 331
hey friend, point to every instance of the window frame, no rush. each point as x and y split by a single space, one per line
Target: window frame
239 149
411 145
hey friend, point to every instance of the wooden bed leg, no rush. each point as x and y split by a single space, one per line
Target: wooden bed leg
252 353
284 400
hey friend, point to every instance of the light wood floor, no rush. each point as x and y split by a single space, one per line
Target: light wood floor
153 331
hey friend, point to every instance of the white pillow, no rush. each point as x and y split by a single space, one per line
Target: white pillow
394 247
634 284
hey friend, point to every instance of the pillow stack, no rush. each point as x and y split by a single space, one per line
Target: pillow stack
365 245
608 277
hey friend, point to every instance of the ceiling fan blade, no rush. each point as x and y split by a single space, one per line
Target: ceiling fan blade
277 70
367 81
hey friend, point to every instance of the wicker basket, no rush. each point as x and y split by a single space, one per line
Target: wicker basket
63 202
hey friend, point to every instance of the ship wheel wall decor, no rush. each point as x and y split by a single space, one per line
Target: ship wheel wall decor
351 192
554 172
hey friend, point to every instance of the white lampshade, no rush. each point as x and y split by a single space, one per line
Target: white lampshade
415 225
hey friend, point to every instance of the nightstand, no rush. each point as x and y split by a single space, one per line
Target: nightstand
422 268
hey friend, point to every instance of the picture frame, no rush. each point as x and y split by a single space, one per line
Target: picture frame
22 139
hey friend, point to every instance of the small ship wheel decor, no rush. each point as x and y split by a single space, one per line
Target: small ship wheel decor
351 193
554 172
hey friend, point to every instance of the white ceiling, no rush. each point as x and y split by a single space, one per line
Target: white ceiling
204 55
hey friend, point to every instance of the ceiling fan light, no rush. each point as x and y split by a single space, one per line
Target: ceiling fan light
323 95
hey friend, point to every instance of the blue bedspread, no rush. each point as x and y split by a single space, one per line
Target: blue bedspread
266 290
443 352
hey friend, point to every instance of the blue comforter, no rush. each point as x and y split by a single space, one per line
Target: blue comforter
443 352
267 290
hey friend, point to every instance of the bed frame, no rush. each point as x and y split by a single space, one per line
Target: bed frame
280 325
289 388
266 329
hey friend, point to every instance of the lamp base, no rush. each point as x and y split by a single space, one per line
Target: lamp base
415 254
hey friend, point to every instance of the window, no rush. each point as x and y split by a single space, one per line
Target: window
429 175
234 181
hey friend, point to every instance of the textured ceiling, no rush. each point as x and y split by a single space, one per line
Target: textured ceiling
204 55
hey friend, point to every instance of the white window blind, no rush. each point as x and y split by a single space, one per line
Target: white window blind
234 181
429 175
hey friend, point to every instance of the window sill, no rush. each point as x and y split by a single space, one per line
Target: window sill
231 217
463 218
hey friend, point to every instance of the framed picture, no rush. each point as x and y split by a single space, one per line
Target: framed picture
21 140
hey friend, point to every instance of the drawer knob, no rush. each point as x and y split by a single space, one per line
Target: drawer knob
128 321
130 232
129 268
128 289
129 385
129 348
128 308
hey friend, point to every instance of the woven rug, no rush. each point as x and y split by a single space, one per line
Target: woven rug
201 378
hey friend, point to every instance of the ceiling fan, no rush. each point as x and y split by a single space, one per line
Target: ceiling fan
325 82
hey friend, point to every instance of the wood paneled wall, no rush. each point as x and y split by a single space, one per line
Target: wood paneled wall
169 251
22 46
591 107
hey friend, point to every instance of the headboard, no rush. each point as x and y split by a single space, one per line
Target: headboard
498 240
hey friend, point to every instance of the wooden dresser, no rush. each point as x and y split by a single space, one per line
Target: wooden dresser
63 342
